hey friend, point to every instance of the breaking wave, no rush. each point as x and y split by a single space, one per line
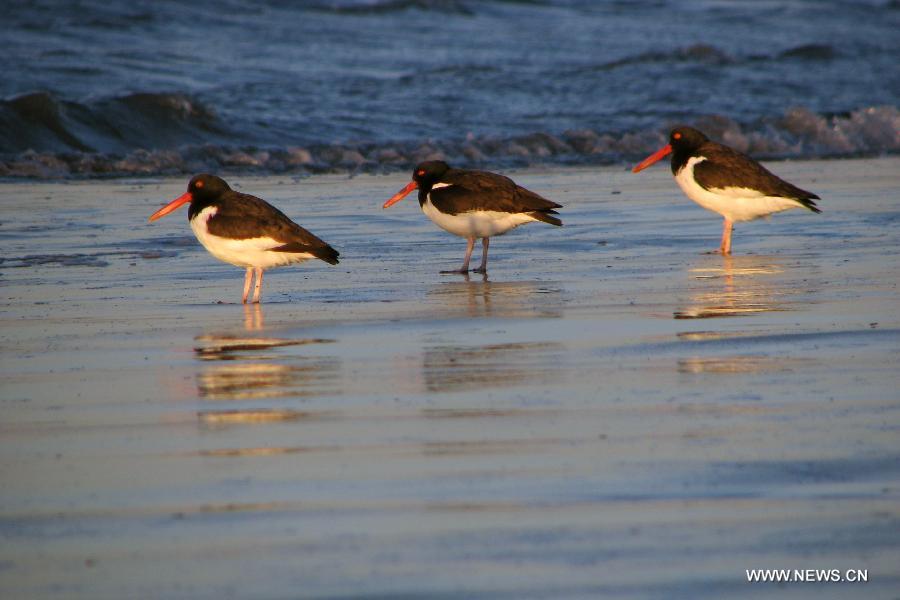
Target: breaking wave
98 88
40 121
166 119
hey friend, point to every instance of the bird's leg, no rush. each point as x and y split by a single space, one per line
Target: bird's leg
485 242
258 288
725 247
470 245
247 279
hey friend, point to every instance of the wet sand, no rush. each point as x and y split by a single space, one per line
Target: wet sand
610 413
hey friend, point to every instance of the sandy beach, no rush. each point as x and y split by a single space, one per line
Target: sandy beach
610 413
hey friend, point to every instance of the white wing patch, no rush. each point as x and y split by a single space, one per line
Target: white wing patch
733 203
249 252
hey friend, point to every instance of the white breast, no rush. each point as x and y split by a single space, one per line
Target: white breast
733 203
249 252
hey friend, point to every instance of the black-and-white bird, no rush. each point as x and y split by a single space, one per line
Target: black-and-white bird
245 231
723 180
475 204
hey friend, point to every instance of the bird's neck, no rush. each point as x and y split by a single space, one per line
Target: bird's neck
680 157
423 195
197 205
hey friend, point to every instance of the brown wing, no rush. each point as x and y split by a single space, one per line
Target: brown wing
467 191
243 216
723 165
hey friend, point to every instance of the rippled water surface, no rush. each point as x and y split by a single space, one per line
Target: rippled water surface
100 88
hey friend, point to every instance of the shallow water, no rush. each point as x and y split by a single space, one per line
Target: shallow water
610 413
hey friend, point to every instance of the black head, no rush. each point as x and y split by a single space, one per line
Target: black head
683 142
205 187
427 173
686 138
202 191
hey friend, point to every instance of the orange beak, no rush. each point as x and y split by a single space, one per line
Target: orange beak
182 199
401 194
653 158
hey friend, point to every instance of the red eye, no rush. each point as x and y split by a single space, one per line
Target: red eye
676 135
420 172
199 184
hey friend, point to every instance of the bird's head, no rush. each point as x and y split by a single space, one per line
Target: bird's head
202 188
425 175
682 140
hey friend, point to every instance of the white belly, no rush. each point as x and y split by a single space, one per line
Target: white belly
249 252
733 203
475 224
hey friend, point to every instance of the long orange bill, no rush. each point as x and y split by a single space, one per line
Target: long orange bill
653 158
401 194
182 199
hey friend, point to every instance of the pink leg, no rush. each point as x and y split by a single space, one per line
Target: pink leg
258 288
725 247
247 279
465 267
485 242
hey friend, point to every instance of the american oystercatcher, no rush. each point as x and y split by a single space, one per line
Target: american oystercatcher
245 231
723 180
474 204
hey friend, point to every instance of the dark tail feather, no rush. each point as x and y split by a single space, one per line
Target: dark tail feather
326 253
546 217
810 204
806 199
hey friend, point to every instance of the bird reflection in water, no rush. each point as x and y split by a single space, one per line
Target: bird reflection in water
729 365
485 298
244 365
726 286
253 317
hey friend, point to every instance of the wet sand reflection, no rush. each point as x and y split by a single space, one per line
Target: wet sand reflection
480 297
256 380
742 364
735 286
243 366
463 368
221 418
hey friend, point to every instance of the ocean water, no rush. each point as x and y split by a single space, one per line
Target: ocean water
99 88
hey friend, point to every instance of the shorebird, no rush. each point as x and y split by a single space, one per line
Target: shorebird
245 231
723 180
474 204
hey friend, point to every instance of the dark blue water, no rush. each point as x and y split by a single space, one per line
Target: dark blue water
97 87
